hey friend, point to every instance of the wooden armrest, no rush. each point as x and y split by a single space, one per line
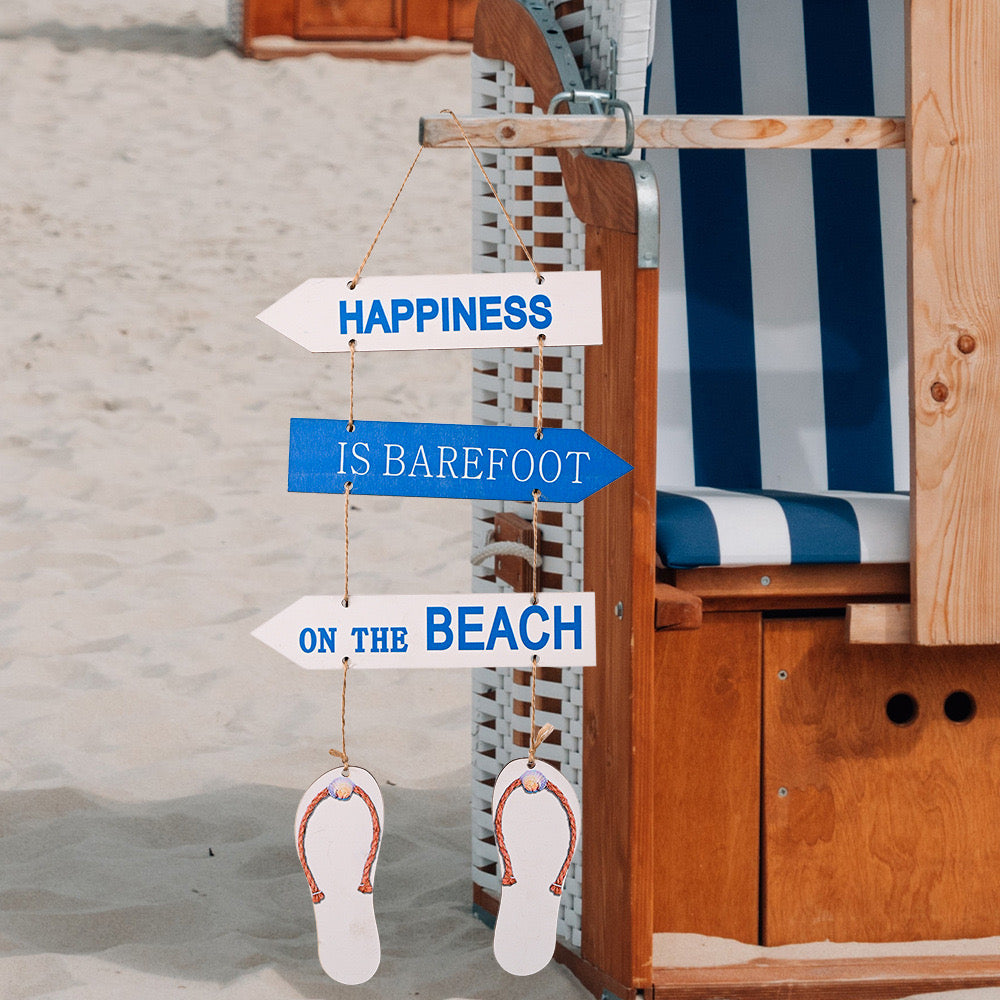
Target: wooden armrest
676 608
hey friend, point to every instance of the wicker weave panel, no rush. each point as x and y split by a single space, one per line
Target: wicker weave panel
504 388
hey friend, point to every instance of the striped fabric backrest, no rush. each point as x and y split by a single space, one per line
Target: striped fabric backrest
783 284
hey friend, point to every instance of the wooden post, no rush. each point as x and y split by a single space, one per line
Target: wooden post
954 185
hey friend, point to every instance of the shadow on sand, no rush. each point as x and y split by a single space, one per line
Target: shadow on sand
208 888
195 41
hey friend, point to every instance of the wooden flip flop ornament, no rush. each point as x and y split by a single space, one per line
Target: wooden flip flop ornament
338 833
536 821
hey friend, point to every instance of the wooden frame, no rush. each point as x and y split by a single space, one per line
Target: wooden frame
373 29
635 769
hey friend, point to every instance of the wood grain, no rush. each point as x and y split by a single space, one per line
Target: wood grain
844 979
349 20
676 609
954 105
667 132
875 830
706 757
602 192
776 587
879 623
619 566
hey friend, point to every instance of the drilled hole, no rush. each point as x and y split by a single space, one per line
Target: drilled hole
960 706
901 709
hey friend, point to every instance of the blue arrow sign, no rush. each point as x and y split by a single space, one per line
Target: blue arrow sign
458 461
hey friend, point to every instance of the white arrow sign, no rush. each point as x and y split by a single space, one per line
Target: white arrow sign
441 311
443 630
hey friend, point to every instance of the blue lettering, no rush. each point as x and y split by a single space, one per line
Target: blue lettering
489 313
502 629
380 639
516 316
541 312
359 634
399 639
327 640
439 624
346 317
307 640
460 312
533 610
426 309
575 625
401 309
465 627
377 316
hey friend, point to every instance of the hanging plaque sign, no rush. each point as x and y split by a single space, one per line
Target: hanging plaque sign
441 311
457 461
446 630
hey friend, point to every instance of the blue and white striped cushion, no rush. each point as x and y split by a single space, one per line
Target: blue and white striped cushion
707 527
782 280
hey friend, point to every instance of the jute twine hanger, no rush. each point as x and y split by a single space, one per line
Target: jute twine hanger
536 738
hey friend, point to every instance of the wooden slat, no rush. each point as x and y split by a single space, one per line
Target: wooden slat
837 979
794 586
394 50
618 695
879 623
667 132
881 788
706 758
954 106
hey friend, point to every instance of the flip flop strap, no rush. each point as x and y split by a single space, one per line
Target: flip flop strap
556 887
366 874
317 895
508 868
508 872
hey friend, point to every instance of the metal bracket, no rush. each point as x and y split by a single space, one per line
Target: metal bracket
601 103
647 191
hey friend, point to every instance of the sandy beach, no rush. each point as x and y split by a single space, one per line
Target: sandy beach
156 192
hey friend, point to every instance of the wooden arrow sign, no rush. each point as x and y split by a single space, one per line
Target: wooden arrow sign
443 630
441 311
456 461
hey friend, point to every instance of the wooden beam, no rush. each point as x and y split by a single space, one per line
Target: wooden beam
618 694
954 206
727 586
395 50
879 623
828 979
666 132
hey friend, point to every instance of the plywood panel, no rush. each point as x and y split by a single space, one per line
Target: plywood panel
954 165
348 19
874 829
706 758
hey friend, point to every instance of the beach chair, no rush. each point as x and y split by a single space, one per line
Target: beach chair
793 733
